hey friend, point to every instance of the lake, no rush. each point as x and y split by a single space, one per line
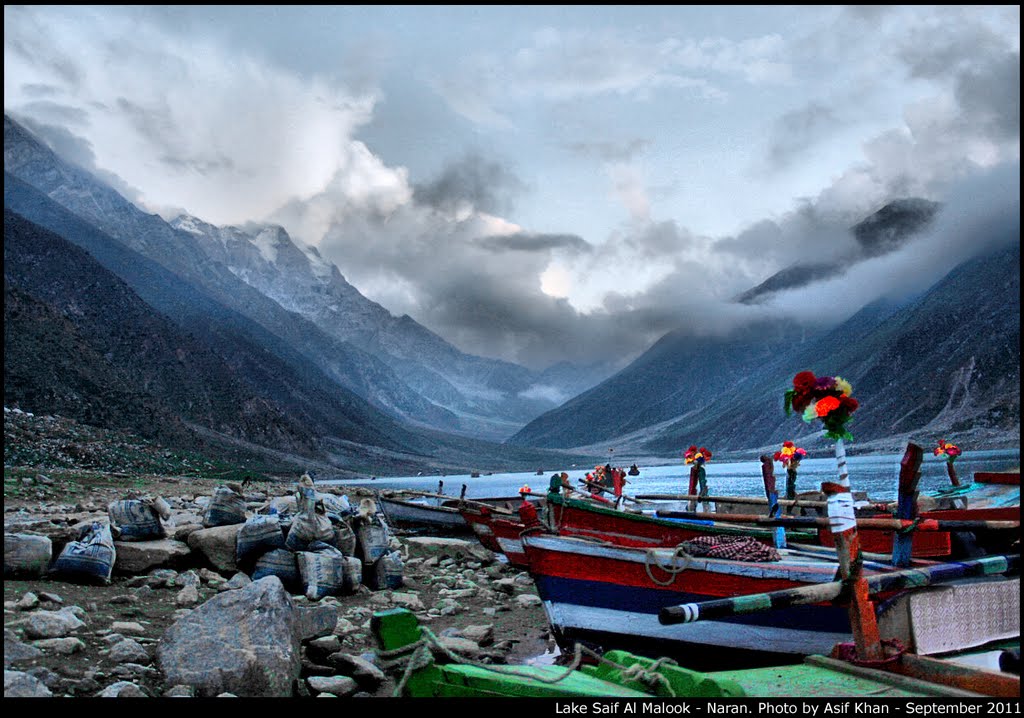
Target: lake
876 474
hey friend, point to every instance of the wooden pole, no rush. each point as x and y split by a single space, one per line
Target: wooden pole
906 579
693 486
906 503
732 500
843 524
774 510
951 471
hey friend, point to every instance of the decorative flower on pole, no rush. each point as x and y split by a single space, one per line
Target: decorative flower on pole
790 454
826 398
947 449
697 456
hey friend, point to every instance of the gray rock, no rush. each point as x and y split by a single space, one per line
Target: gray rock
462 646
27 602
48 597
408 600
444 549
528 600
51 624
245 642
217 545
15 651
129 651
187 578
315 621
366 674
139 556
122 689
180 691
26 554
188 596
21 685
62 646
130 627
335 685
239 580
318 649
481 634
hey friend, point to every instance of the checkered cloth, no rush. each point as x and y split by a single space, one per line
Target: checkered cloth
737 548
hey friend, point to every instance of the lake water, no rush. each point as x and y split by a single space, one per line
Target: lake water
876 474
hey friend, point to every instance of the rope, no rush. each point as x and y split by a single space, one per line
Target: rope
673 569
421 654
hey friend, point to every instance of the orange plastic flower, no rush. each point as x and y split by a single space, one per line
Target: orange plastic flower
826 405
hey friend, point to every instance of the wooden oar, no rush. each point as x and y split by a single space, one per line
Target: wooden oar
892 524
823 592
731 500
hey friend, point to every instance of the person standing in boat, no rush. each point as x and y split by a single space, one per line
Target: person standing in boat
698 476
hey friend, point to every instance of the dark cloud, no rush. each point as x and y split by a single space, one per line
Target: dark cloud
486 185
38 89
990 96
795 133
527 242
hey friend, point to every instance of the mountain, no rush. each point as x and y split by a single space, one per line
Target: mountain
80 342
946 364
290 291
491 398
885 231
179 252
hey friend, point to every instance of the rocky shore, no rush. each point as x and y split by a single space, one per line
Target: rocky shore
179 618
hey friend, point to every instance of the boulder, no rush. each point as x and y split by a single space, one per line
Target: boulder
21 685
436 547
245 642
140 556
51 624
217 545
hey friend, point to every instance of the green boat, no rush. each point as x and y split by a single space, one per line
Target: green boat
423 667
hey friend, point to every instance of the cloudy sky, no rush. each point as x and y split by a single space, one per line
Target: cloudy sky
540 183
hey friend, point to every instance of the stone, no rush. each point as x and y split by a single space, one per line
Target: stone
239 580
48 597
217 545
408 600
131 627
315 621
461 646
27 602
319 648
245 642
335 685
122 689
26 554
431 547
62 646
140 556
51 624
18 684
481 634
366 674
15 651
179 691
129 651
528 600
188 596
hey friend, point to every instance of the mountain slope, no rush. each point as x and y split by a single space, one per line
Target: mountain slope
948 363
492 398
98 204
80 342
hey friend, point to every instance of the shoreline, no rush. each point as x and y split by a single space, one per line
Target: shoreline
465 594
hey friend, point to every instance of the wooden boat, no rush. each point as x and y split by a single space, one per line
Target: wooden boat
642 527
620 674
612 595
498 532
418 509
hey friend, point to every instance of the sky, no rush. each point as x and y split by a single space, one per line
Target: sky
547 183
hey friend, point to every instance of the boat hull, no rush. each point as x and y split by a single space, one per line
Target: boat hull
606 592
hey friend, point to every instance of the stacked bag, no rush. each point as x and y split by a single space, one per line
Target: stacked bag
317 545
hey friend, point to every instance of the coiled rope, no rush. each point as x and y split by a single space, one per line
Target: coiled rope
420 654
674 567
